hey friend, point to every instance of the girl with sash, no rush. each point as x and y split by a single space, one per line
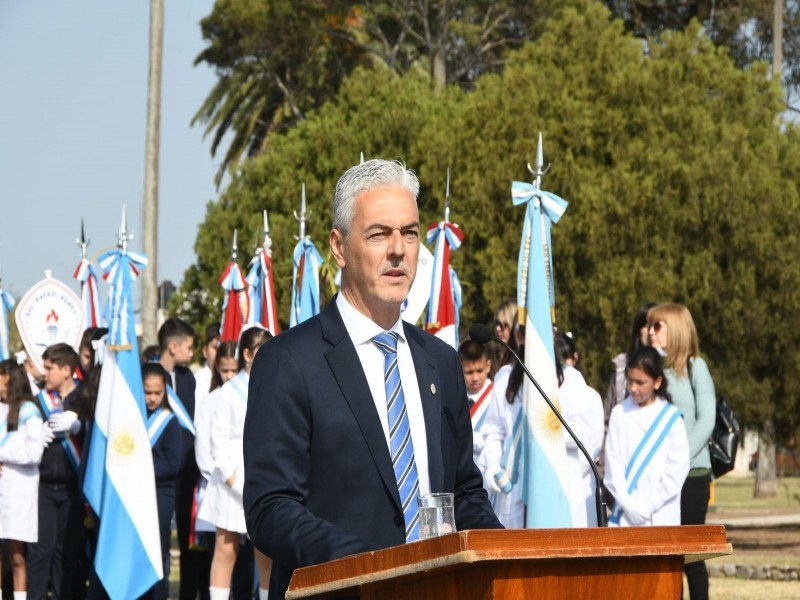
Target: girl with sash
166 444
225 368
21 447
497 429
582 409
673 333
223 502
647 451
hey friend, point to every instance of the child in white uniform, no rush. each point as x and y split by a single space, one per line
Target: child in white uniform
22 442
222 505
647 451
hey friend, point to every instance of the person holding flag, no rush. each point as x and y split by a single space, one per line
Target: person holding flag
120 483
306 261
476 363
54 556
261 290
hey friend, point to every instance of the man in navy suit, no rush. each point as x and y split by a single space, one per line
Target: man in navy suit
320 482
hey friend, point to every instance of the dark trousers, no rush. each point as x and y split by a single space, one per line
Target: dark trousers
195 569
55 556
694 504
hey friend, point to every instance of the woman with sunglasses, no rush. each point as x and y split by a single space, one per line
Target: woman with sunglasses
504 319
672 332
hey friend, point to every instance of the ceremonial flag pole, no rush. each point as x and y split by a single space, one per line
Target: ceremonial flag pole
7 302
263 307
445 300
120 482
306 261
87 275
235 306
537 432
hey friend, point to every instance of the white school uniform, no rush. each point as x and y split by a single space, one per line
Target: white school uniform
202 382
221 505
582 409
658 491
20 453
203 417
497 431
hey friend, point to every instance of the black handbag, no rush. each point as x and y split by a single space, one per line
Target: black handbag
724 439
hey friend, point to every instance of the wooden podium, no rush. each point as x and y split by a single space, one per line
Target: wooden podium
602 563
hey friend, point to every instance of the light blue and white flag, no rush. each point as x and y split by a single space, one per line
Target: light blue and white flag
541 466
7 302
305 282
120 482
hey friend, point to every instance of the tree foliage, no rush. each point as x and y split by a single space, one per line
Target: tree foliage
681 188
745 27
278 59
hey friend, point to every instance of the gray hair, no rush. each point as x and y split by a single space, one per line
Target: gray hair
375 173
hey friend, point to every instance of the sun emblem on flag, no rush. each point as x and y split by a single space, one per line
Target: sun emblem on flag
124 443
547 428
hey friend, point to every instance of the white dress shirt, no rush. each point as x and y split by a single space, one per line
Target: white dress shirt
361 330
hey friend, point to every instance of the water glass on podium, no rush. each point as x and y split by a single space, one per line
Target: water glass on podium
436 515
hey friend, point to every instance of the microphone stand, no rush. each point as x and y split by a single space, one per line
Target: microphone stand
599 497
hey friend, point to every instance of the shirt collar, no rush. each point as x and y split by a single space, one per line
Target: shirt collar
360 327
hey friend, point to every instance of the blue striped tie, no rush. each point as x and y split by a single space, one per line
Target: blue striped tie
402 448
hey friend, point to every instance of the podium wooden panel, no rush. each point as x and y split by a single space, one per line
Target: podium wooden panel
629 562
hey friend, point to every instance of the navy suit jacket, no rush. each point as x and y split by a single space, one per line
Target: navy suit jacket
319 482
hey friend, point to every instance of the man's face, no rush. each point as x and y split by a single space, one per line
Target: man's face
55 376
379 258
475 373
181 350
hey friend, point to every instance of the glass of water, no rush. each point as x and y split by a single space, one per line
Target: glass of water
436 515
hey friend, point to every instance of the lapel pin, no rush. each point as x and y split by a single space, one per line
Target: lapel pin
433 388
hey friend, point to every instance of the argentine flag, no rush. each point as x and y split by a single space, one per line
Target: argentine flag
305 282
539 459
7 302
120 483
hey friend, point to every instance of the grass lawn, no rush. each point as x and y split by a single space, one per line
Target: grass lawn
737 493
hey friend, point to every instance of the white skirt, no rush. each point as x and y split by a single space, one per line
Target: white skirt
221 506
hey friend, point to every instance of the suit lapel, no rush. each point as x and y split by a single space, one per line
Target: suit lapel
346 367
430 391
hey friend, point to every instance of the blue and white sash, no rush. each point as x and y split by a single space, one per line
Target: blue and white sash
179 410
648 446
157 423
26 411
239 385
50 402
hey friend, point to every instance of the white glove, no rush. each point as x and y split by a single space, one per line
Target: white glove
49 436
238 488
634 513
490 483
65 422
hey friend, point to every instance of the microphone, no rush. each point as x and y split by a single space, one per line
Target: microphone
482 334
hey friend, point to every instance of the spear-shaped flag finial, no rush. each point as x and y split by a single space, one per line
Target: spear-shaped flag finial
447 198
123 237
82 242
302 217
362 159
538 173
234 248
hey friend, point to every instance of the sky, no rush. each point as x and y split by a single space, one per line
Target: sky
73 113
